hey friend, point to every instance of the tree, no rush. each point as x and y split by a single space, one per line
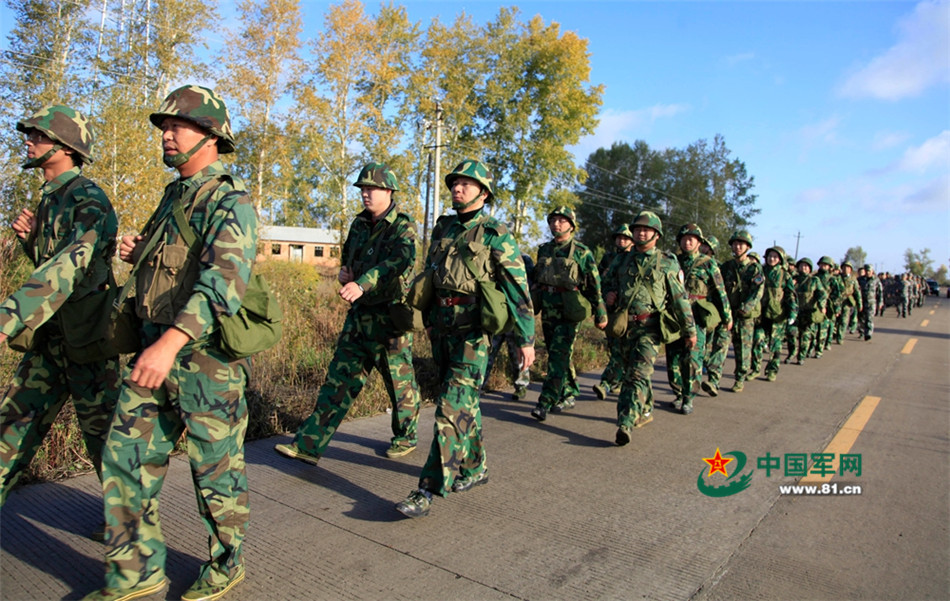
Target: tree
856 255
259 68
918 263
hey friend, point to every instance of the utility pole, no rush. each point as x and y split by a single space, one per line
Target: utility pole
798 237
436 210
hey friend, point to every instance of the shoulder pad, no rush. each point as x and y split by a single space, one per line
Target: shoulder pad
445 220
498 227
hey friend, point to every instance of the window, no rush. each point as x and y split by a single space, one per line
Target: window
275 249
334 251
318 251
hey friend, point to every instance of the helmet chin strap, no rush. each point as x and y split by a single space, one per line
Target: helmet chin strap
651 239
38 161
177 160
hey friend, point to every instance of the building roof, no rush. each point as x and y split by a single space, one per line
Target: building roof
307 235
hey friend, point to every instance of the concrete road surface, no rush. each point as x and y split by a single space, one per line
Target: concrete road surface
569 515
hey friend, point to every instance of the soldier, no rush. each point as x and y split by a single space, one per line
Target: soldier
871 290
812 305
648 287
834 287
456 460
378 256
851 304
520 377
717 341
182 381
779 309
70 240
710 307
565 273
744 282
905 295
612 377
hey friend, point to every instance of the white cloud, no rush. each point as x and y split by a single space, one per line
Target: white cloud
934 196
933 152
918 60
627 126
888 139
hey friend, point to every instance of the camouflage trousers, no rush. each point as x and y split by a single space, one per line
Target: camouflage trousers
807 340
792 334
613 373
203 396
826 330
717 348
904 306
42 383
854 320
561 381
457 450
641 347
867 323
845 318
769 337
743 329
684 367
518 377
366 342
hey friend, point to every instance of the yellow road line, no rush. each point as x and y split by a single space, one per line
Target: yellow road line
925 323
845 438
909 346
932 311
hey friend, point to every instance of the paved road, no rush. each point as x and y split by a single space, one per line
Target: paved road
568 515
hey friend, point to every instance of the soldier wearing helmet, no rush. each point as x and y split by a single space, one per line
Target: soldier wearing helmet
872 292
812 309
566 286
832 284
192 264
466 248
612 377
717 340
851 304
647 292
710 307
744 281
905 289
55 315
779 309
378 256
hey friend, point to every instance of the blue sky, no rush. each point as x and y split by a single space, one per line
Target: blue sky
840 110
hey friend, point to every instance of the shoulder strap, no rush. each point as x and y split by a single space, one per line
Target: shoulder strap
178 211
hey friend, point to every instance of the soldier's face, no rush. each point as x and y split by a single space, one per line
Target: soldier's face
559 225
689 243
772 258
847 270
804 268
644 237
466 190
739 247
623 242
179 136
376 200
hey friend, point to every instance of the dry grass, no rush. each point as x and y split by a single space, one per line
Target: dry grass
286 378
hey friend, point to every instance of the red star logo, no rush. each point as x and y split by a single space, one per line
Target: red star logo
717 463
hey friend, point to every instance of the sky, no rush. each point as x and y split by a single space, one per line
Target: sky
839 110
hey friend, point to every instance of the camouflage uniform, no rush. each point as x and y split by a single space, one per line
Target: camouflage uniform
552 284
71 249
906 295
812 306
521 378
835 289
779 308
744 282
717 340
203 394
871 292
850 304
459 344
612 377
647 285
380 255
707 295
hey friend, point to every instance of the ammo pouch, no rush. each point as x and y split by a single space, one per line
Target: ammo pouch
562 272
421 291
815 316
669 328
87 336
494 303
617 323
256 326
574 306
706 314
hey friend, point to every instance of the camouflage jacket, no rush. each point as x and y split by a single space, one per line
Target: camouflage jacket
744 283
588 277
651 282
812 295
71 248
834 286
226 227
779 282
381 255
504 264
850 292
703 281
871 290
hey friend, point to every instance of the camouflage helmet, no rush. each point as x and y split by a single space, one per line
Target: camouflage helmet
690 229
782 257
566 213
755 257
377 175
848 264
866 267
650 220
742 236
202 107
476 170
64 125
623 230
712 242
806 261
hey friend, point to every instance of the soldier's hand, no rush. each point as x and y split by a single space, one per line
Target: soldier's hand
351 292
602 325
525 357
3 338
691 342
23 224
729 326
610 299
156 361
127 248
345 276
